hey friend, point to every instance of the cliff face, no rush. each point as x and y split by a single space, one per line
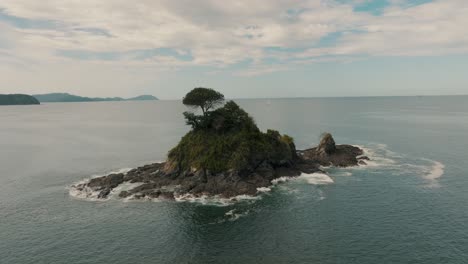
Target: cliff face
17 99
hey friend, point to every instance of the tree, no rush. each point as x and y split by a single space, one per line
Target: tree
205 98
191 119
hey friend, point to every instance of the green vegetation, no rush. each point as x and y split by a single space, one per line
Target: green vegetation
17 99
227 138
205 98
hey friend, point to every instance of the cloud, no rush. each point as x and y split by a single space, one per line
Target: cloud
120 33
436 28
214 32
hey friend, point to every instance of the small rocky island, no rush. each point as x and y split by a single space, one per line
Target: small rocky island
224 154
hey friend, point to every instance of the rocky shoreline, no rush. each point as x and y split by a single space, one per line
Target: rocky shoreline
158 180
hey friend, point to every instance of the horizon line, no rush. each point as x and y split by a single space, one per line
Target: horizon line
332 97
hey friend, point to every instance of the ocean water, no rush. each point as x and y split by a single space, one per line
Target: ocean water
409 205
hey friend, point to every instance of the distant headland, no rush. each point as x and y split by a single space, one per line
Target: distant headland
18 99
66 97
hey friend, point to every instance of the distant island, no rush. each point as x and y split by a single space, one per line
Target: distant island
18 99
224 154
66 97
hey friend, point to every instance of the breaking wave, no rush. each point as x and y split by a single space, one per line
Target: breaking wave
435 172
282 179
263 189
85 193
312 178
235 214
343 173
316 178
399 164
215 200
379 156
88 194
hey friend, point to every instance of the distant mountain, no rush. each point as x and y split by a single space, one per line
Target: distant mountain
66 97
17 99
145 97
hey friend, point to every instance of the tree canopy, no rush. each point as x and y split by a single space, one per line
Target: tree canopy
205 98
230 117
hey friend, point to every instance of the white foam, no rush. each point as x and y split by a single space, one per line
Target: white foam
380 156
316 178
125 186
436 172
263 189
88 193
282 179
321 195
132 198
233 216
123 170
214 200
377 157
343 173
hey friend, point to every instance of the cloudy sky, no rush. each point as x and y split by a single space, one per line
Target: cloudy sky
244 48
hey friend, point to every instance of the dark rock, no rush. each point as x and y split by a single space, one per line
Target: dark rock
152 193
167 195
124 194
327 153
104 193
327 145
343 156
139 196
111 181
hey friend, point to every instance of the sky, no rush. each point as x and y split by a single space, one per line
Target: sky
243 48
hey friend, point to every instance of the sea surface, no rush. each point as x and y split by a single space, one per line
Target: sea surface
408 205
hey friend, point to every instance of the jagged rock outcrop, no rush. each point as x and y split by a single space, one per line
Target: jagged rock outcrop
327 145
327 153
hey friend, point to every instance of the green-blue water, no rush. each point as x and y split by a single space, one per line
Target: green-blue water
409 206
